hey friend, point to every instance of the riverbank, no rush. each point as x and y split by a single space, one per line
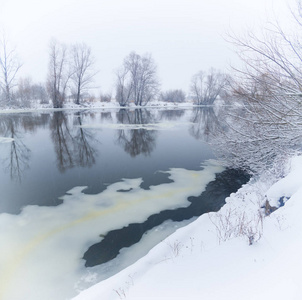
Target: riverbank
237 253
94 105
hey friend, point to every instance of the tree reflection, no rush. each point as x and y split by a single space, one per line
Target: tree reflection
17 160
73 144
63 140
85 156
138 140
31 122
106 116
205 123
171 114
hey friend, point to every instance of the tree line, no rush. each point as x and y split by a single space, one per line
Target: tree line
264 129
71 74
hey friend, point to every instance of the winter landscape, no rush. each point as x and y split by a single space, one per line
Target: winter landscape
147 160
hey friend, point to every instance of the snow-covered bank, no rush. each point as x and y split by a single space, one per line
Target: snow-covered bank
95 105
211 258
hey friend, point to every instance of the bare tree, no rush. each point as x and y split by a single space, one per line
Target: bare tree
105 97
24 92
173 96
206 87
137 80
59 73
82 63
267 127
123 87
39 93
9 67
28 92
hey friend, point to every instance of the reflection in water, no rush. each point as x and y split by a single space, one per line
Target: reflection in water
171 114
62 138
85 156
31 123
136 141
106 116
39 237
17 160
72 143
205 122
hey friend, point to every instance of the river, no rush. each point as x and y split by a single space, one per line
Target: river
86 193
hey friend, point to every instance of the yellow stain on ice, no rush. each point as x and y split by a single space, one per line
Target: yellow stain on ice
13 264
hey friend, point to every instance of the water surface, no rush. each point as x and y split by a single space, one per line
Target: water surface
87 193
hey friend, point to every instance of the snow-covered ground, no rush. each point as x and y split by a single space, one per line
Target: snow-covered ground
95 105
212 258
237 253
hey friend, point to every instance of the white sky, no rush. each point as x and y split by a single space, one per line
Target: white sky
183 36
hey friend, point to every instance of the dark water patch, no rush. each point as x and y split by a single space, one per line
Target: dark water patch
282 201
157 179
125 191
211 200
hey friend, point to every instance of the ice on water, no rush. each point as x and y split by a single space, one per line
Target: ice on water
149 126
42 247
5 139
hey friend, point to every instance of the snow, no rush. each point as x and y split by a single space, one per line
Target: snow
148 126
42 242
95 105
211 257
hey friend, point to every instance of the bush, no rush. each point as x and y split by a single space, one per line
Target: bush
105 97
173 96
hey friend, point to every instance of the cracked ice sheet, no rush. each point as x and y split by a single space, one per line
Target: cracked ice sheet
41 248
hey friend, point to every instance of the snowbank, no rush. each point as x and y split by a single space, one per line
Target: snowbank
211 258
97 105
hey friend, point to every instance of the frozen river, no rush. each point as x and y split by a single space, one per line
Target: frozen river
85 194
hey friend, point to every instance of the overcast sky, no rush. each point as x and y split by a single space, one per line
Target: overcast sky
183 36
